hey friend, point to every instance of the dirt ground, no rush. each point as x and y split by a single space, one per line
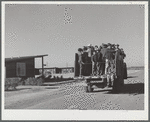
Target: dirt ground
73 96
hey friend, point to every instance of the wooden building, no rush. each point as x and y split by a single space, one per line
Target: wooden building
22 66
67 70
52 70
56 70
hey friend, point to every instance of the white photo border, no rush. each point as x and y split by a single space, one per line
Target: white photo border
10 114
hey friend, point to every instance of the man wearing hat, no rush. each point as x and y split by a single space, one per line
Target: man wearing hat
122 53
90 53
113 46
109 44
89 50
103 52
94 63
109 58
118 52
107 55
117 47
80 61
96 48
104 45
118 61
86 62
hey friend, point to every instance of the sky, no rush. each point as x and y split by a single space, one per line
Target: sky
59 30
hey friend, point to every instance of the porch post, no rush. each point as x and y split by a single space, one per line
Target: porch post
42 66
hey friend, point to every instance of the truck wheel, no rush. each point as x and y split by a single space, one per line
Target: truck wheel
116 85
122 81
104 82
125 73
89 88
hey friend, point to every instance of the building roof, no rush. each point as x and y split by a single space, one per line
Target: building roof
57 67
23 58
66 67
49 68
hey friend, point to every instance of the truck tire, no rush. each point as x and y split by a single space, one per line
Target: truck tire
125 73
90 89
116 85
122 81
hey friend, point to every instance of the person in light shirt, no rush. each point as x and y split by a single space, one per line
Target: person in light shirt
94 63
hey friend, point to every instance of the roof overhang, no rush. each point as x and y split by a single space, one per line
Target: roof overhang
23 58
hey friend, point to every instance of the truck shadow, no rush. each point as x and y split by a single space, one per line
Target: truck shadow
132 76
102 90
134 89
51 87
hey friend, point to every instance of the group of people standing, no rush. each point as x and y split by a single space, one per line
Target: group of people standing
97 60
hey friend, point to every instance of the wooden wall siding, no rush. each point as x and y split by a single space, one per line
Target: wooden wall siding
37 72
30 68
11 68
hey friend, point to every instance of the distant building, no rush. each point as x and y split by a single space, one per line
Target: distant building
56 70
52 70
67 70
136 68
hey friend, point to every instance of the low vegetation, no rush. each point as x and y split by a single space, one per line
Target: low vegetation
12 83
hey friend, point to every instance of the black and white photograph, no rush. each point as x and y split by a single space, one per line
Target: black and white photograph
74 60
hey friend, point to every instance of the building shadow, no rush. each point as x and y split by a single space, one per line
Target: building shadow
10 90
